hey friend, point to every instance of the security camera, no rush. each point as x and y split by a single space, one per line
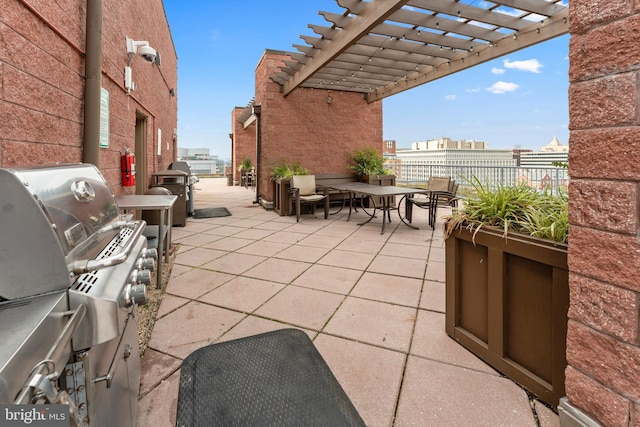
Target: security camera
142 48
148 53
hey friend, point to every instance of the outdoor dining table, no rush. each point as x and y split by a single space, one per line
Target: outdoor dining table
385 192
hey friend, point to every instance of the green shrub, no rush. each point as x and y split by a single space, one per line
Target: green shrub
286 170
367 161
519 208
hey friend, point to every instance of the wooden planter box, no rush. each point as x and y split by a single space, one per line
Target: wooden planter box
379 180
507 302
281 199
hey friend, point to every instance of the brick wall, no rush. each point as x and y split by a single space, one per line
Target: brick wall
42 84
308 127
603 347
244 143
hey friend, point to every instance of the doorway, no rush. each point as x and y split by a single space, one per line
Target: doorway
141 153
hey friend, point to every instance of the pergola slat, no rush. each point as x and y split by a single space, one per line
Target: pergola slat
384 47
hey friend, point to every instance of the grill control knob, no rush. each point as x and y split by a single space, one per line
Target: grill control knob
150 253
146 264
135 294
141 277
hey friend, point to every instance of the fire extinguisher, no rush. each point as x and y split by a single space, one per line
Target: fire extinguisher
128 168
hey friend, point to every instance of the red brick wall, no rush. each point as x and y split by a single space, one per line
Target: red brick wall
603 347
42 83
304 127
244 143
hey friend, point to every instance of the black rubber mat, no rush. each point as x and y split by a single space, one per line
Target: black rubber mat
274 379
211 212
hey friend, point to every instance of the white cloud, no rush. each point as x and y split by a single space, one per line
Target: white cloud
502 87
530 65
450 97
496 70
474 90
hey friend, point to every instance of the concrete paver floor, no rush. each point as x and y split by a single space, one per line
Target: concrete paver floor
373 305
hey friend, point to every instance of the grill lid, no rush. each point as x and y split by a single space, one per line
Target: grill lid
50 217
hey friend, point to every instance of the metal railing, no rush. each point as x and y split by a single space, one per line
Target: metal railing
540 178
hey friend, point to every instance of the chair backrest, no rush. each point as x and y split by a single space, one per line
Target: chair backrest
438 183
306 184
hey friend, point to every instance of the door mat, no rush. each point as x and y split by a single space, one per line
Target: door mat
211 213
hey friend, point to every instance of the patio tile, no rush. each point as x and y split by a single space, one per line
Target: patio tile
433 296
170 303
178 270
190 327
405 251
278 270
373 322
228 230
198 239
196 282
263 248
353 244
159 407
248 223
384 288
436 271
435 393
285 237
229 244
328 278
369 375
195 257
253 233
430 340
156 367
321 241
307 308
347 259
437 254
546 416
407 267
242 293
234 263
309 254
253 325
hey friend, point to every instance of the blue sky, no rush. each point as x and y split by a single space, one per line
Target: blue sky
517 100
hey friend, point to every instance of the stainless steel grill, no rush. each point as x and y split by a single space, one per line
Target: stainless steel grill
73 270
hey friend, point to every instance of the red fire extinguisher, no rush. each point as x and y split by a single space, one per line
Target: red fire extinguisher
128 168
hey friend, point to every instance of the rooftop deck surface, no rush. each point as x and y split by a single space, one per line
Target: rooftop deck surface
372 303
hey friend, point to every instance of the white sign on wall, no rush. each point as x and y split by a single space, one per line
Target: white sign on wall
104 118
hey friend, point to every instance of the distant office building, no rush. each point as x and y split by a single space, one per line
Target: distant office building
201 162
194 154
445 143
446 157
554 152
545 158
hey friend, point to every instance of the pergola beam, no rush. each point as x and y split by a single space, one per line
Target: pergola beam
373 14
550 28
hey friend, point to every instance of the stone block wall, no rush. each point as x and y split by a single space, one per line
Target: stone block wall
42 68
603 341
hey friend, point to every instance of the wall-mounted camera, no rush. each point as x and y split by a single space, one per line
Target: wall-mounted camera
143 49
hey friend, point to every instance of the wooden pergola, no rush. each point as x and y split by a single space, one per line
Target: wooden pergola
383 47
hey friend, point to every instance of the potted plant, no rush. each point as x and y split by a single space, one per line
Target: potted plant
507 292
368 165
281 175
